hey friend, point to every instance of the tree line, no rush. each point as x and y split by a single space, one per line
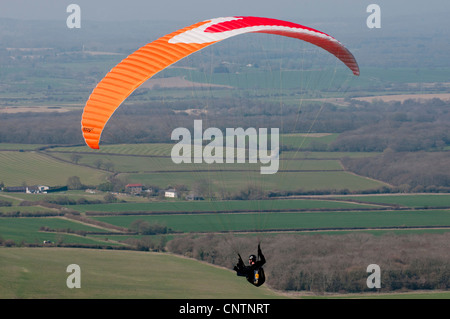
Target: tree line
333 263
409 171
403 127
409 126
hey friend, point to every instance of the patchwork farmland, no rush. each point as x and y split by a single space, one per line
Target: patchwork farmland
318 197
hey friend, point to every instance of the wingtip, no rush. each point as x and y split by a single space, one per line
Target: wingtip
93 145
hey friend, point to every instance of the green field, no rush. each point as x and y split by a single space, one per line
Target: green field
287 221
149 164
164 149
28 230
32 168
154 149
16 147
281 181
182 206
41 274
407 200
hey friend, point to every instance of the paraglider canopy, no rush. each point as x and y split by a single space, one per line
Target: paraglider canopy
141 65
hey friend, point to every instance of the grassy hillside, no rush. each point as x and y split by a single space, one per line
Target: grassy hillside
41 273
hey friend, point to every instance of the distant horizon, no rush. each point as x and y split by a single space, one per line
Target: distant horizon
412 21
141 10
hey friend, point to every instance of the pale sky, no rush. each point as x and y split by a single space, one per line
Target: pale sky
196 10
341 18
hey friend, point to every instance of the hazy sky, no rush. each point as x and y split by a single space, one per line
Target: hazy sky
194 10
341 18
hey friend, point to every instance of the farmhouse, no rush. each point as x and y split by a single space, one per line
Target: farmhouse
37 189
134 188
172 193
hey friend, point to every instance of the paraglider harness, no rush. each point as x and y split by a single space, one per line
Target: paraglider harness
254 272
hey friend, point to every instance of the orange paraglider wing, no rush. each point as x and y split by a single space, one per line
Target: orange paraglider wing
141 65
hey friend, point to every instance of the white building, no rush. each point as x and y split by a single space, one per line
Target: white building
171 193
37 189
